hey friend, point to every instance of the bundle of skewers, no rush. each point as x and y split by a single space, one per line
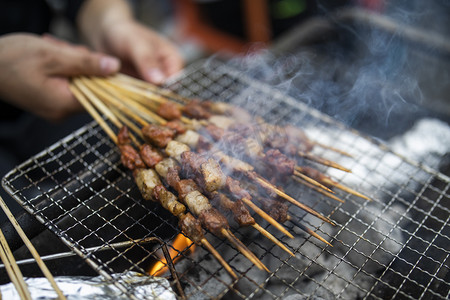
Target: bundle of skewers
203 160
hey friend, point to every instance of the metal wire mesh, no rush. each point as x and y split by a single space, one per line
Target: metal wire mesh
395 245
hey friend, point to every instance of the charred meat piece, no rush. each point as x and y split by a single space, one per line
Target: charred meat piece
276 209
191 227
280 163
236 190
123 137
130 158
169 111
177 125
157 135
213 221
195 110
150 155
191 163
240 212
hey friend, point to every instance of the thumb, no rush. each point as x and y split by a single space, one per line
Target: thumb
72 61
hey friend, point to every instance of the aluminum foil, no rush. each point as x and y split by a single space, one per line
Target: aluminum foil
84 287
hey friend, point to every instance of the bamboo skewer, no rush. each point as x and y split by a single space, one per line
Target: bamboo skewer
243 249
328 181
323 161
272 238
266 217
292 200
219 258
320 191
311 181
14 273
32 250
308 230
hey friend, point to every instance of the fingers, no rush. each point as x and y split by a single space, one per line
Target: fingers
68 60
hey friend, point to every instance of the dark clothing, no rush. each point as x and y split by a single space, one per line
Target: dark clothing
32 16
22 134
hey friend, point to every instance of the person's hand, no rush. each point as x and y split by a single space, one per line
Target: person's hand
109 26
143 52
35 73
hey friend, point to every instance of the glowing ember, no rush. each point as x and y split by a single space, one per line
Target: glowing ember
179 244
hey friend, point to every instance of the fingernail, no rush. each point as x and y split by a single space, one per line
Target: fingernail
155 76
109 64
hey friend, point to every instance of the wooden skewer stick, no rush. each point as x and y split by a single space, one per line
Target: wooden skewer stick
328 181
146 85
329 195
12 269
308 230
113 101
91 110
331 148
285 196
266 217
148 94
272 238
311 181
323 161
345 188
219 258
243 249
32 250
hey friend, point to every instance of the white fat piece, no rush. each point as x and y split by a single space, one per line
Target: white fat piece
146 180
189 138
175 148
197 202
222 121
164 165
212 175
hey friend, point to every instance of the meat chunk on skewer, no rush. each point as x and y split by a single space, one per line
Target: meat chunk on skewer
150 155
157 135
169 111
129 157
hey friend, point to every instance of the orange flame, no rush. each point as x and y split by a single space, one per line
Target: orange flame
180 243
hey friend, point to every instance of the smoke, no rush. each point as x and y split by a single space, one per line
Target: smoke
378 73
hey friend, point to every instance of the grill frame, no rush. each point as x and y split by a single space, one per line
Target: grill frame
79 181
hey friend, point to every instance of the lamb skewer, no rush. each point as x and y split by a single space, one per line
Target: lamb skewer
199 205
148 183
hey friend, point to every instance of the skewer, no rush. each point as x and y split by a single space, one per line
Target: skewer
323 161
243 249
272 238
329 195
146 85
311 181
113 136
331 148
266 217
219 258
76 90
328 181
14 273
308 230
285 196
32 250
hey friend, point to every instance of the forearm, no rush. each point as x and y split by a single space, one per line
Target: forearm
96 17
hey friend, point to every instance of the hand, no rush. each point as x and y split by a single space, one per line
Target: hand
35 73
143 52
109 26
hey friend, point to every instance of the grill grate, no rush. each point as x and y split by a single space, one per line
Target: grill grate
393 246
